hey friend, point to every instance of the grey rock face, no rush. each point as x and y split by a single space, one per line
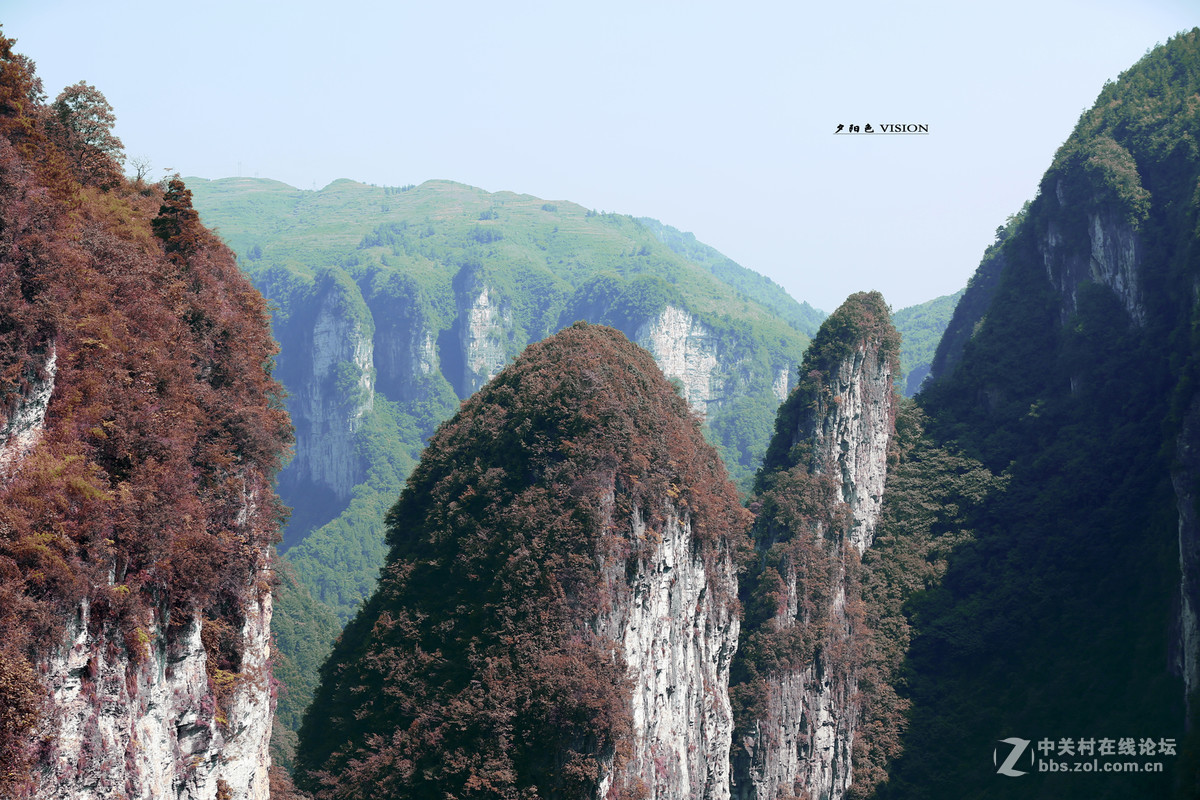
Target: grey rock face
1112 258
486 323
151 727
685 351
850 436
24 426
336 390
676 621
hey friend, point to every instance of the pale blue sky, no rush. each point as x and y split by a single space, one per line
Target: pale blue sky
713 120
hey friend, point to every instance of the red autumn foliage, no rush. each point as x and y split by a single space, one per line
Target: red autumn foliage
476 669
803 558
149 491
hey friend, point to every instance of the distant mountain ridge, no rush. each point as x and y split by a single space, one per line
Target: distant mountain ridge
484 274
800 316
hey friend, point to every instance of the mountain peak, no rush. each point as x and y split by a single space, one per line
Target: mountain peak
535 551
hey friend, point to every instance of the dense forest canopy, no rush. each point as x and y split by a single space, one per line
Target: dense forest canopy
1067 374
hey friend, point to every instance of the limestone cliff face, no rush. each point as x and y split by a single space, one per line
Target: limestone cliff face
684 350
21 431
783 383
1091 236
710 373
135 703
486 323
849 429
1111 256
674 622
405 349
332 386
154 725
805 741
820 499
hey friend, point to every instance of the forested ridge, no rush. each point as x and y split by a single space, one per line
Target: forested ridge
136 357
1065 377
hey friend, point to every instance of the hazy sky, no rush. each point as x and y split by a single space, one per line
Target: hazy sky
714 119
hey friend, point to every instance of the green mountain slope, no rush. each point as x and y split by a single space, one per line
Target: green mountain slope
921 328
800 316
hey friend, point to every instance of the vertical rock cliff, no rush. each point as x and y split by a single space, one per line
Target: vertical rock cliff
581 537
160 722
27 418
819 497
677 631
338 390
333 340
684 350
1111 257
406 352
138 521
486 323
329 370
712 372
139 434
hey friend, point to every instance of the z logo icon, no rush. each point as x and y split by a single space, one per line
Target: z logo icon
1018 747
